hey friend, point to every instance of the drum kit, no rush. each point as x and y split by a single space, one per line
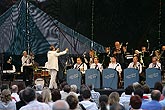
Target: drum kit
42 76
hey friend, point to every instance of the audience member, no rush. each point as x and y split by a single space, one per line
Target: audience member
60 105
114 101
21 102
74 90
126 99
159 86
162 102
66 92
103 102
29 96
154 103
147 93
140 93
39 97
94 95
131 89
6 102
72 100
38 88
135 102
46 97
87 103
14 95
55 95
4 86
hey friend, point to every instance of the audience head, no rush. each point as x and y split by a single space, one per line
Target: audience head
60 105
67 88
38 87
139 92
86 94
158 86
103 102
72 100
129 90
14 88
155 95
135 102
29 94
21 94
63 84
39 97
136 85
146 89
73 88
114 98
55 95
6 95
46 95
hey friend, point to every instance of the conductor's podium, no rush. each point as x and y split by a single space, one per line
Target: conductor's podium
109 78
153 75
131 75
74 77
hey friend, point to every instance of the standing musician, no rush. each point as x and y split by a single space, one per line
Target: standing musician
80 66
135 64
27 68
155 63
97 65
118 52
106 57
116 66
53 64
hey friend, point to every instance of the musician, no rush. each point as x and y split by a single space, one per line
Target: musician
53 64
91 56
80 66
27 68
155 63
116 66
105 57
97 65
118 52
135 64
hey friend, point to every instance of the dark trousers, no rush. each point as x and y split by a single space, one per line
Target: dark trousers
28 75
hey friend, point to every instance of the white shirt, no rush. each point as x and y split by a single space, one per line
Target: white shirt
137 66
53 59
35 105
157 65
97 66
89 105
16 96
26 61
115 66
81 67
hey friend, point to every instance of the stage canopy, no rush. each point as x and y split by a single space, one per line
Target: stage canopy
26 27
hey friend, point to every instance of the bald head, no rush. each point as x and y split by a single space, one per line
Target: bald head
155 95
14 88
60 105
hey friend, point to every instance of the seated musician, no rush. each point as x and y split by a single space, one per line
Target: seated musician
9 67
80 66
135 64
114 65
97 65
27 68
155 63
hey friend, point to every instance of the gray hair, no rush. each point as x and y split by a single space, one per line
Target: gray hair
60 105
